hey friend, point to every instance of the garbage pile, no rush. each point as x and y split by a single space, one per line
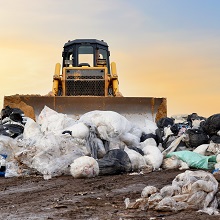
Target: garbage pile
189 190
106 143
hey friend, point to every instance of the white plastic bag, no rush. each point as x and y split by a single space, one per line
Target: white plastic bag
51 121
109 124
84 167
137 160
153 156
78 130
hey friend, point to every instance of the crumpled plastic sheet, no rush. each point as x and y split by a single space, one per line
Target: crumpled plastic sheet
192 189
52 121
8 146
51 154
47 151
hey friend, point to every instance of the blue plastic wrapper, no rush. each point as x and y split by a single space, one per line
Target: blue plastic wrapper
4 155
2 173
2 168
215 171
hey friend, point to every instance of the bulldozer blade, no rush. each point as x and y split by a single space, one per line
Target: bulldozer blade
135 109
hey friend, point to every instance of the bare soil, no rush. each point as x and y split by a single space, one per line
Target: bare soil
98 198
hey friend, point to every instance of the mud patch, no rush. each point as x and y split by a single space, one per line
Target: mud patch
99 198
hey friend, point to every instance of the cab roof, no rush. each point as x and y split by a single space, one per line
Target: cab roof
84 41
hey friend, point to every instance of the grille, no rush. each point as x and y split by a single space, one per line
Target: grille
85 82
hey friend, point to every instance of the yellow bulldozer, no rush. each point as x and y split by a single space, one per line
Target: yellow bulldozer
86 82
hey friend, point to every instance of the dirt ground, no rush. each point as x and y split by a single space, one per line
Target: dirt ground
98 198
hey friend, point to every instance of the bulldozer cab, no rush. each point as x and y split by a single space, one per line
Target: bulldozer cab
86 52
85 70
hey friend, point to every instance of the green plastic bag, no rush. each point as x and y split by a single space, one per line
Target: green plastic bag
195 160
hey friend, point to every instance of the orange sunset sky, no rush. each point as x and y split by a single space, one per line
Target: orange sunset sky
162 48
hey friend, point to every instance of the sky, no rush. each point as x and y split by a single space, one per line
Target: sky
162 48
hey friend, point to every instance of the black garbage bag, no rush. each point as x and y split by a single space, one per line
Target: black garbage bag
165 122
17 117
212 124
194 116
159 135
15 114
195 137
145 136
11 130
215 139
4 131
115 161
191 117
175 129
161 124
5 112
12 122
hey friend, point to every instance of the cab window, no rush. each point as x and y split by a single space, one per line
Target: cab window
85 55
102 54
